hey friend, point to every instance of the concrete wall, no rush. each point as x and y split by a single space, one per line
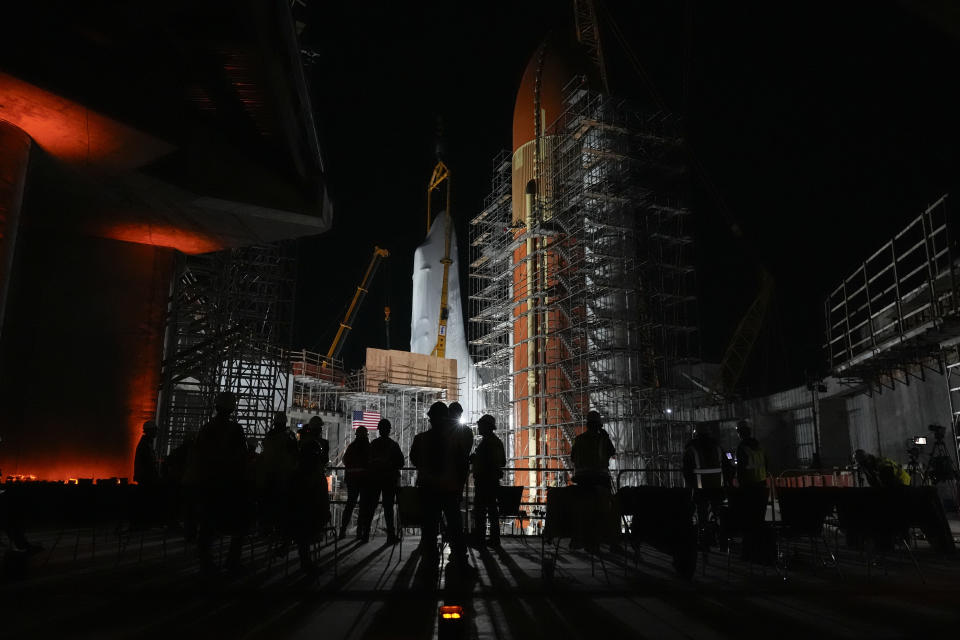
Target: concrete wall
882 422
80 353
850 418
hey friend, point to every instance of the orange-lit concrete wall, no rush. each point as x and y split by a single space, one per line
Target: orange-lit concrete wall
80 353
15 148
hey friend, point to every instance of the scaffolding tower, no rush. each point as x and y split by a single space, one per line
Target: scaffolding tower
228 326
614 303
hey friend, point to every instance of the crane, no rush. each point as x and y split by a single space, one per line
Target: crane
441 175
588 35
346 324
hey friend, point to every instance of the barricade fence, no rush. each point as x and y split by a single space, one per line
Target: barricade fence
530 515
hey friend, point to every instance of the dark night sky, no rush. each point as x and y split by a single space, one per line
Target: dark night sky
823 126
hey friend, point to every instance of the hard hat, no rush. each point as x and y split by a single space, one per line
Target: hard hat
225 400
438 410
455 410
315 424
384 423
594 418
487 420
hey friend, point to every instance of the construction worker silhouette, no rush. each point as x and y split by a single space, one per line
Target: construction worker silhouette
751 468
146 506
703 471
277 466
386 460
749 502
463 441
311 502
356 460
488 462
591 453
439 456
219 466
146 471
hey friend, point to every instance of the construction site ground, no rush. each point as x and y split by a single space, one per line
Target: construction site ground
147 584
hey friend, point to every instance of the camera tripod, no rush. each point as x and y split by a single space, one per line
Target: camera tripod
914 468
940 465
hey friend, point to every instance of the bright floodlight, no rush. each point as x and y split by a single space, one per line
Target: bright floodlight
669 410
463 419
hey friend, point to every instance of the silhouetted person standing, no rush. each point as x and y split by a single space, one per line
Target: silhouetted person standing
146 473
591 453
488 462
356 459
311 502
386 460
751 475
751 468
703 472
455 413
440 458
462 442
278 463
221 453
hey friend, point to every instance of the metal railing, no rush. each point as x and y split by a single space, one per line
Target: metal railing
895 295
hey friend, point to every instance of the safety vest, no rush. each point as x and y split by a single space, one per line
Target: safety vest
700 471
752 465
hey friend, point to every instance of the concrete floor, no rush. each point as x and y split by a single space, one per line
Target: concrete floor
384 592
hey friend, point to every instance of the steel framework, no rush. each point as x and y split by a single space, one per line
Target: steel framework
898 313
228 327
613 298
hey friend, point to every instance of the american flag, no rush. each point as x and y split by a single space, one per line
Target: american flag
368 419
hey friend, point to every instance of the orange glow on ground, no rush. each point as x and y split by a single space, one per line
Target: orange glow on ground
70 471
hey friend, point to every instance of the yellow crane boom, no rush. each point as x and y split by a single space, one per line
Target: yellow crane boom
441 175
347 323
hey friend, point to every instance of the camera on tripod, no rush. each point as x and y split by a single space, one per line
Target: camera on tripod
940 466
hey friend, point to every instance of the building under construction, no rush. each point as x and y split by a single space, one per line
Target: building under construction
581 277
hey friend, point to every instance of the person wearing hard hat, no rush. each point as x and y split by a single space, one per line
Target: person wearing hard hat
591 453
488 462
386 460
438 454
356 459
